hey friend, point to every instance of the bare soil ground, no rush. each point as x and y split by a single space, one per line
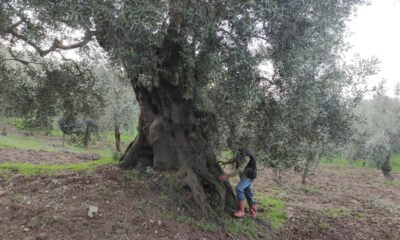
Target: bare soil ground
56 207
339 203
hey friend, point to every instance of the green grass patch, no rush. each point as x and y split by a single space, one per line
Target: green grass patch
5 174
339 161
203 224
56 132
343 212
395 162
310 189
32 143
245 226
17 198
395 182
133 175
126 137
27 143
338 212
19 123
29 169
274 211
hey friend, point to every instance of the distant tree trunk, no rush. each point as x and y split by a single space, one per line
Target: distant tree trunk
313 156
4 132
63 138
86 138
305 172
386 168
117 135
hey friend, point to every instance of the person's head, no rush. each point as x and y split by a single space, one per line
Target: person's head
240 150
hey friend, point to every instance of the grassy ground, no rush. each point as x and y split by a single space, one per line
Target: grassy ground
24 142
37 141
339 196
339 161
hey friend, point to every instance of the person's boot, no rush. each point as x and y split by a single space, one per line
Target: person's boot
240 212
253 211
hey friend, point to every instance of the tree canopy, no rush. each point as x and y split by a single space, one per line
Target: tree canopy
195 69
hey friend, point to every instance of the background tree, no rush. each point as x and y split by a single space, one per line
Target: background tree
40 90
121 109
378 133
306 98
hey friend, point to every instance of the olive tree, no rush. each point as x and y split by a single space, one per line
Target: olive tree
177 54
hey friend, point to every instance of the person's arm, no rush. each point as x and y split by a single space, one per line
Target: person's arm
241 167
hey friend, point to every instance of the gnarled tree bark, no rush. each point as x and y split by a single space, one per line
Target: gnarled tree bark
168 139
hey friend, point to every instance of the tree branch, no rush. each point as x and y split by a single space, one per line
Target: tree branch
77 67
13 26
16 59
57 45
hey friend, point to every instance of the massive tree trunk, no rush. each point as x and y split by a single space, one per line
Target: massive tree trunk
168 139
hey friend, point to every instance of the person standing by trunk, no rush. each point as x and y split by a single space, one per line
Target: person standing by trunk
246 167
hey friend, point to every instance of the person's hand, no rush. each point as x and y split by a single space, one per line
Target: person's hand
223 178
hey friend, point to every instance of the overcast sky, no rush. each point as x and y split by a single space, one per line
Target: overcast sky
376 32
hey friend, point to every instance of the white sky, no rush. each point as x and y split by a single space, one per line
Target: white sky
376 32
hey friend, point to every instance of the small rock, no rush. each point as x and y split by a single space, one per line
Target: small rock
65 187
159 222
87 181
74 197
151 221
354 201
29 202
26 229
92 210
55 181
2 193
47 205
41 236
156 231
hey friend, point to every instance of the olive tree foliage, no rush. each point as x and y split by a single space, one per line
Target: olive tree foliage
305 100
378 133
12 81
38 90
193 65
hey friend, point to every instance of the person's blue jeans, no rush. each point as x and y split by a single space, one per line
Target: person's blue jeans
244 191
